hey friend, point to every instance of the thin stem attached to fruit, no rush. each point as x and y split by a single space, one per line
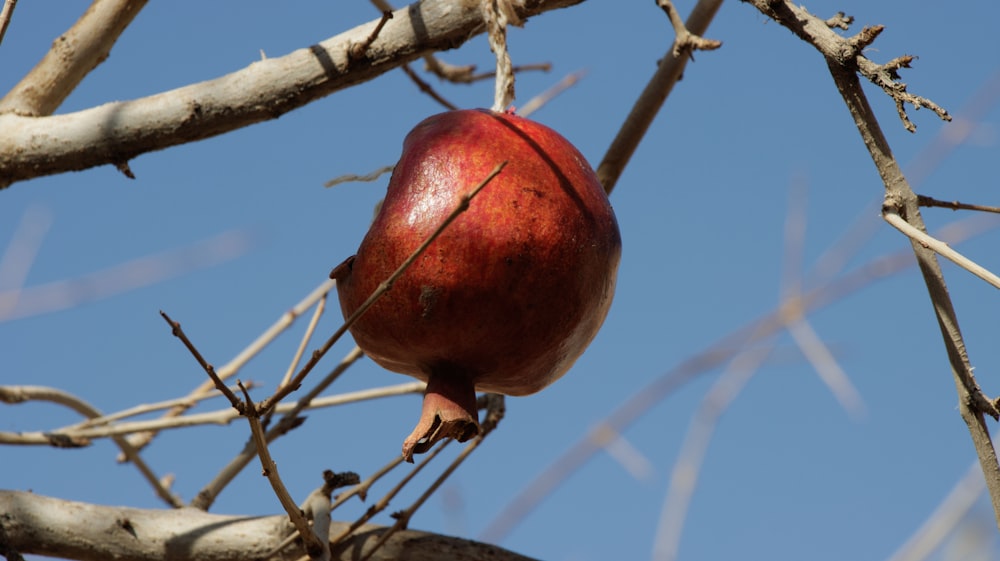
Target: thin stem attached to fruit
497 13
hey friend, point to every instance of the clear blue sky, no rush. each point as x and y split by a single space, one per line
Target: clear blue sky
790 475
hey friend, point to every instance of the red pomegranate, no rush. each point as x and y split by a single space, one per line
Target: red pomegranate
511 293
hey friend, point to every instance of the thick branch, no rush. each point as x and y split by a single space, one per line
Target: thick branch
116 132
33 524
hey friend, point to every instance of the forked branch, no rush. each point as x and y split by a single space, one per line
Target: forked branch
847 52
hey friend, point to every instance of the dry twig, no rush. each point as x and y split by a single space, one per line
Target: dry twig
495 410
847 52
384 287
427 89
19 394
685 42
891 215
955 205
244 356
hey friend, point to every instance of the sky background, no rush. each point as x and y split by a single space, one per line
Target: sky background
789 474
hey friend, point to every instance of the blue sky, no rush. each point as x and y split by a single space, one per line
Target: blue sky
702 209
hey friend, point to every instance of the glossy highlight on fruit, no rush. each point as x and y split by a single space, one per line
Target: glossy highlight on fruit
511 293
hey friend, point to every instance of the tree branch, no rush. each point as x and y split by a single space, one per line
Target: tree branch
114 133
34 524
973 405
847 52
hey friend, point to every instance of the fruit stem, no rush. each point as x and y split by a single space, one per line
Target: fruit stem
449 411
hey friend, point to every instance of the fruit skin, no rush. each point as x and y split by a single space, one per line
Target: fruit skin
511 293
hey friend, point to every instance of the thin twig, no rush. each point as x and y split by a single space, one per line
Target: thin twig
314 546
5 14
246 407
358 50
176 331
244 356
317 509
955 205
20 394
101 427
383 287
361 489
440 68
494 414
310 329
427 89
149 408
891 215
516 69
391 494
685 42
352 177
289 421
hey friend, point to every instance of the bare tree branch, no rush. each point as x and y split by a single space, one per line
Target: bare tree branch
18 394
116 132
5 14
901 200
34 524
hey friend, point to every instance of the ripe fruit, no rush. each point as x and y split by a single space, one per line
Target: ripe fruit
511 293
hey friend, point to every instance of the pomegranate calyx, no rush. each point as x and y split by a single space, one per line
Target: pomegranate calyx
341 271
449 411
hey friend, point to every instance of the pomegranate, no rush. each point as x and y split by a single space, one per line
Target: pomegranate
511 293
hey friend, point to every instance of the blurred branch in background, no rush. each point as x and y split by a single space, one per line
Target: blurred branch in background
18 301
